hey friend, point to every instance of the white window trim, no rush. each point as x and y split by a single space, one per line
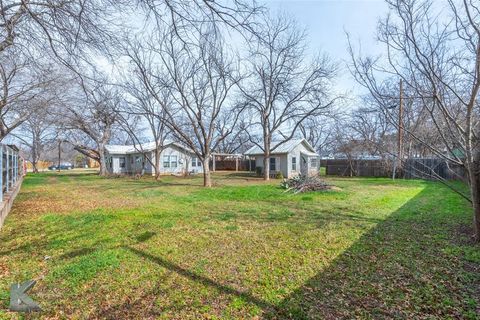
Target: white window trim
173 162
166 161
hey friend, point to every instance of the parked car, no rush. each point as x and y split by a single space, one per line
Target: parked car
63 166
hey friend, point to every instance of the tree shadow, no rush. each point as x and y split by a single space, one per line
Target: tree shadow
399 269
202 279
243 174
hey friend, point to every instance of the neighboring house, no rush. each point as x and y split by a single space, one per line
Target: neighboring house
174 159
292 158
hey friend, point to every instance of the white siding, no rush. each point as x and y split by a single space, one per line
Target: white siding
286 162
183 162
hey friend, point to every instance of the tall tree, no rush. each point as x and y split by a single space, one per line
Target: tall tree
23 83
35 35
284 88
198 79
439 64
38 132
319 132
142 117
93 117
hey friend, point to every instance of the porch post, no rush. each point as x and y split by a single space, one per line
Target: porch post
236 163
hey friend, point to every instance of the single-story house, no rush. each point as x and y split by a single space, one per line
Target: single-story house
129 159
291 158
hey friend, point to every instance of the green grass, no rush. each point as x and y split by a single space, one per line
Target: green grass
121 248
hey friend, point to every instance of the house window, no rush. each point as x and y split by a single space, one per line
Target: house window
122 162
314 162
173 161
166 161
131 159
195 162
273 164
294 163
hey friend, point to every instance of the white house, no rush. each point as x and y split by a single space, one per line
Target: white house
291 158
174 159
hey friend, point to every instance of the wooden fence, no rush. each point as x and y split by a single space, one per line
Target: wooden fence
428 168
432 169
356 168
231 165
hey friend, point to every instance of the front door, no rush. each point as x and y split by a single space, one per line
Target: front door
303 165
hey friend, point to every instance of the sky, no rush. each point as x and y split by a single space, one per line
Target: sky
326 22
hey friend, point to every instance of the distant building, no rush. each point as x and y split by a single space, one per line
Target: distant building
292 158
174 159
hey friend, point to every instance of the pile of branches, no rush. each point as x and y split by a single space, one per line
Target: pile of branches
301 184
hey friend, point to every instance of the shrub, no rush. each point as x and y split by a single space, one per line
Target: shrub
279 175
258 171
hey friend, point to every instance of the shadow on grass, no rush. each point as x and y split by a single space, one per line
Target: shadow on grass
243 174
399 269
404 267
201 279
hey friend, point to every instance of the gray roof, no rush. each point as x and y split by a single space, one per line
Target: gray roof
144 147
283 148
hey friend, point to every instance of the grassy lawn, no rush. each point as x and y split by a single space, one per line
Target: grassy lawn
121 248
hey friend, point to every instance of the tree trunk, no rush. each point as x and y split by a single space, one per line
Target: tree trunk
267 140
207 180
34 167
474 177
157 164
103 164
266 166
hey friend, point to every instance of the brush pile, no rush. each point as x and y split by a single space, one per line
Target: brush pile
301 184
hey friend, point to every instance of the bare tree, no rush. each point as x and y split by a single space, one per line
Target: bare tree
438 60
143 113
38 132
185 16
284 88
319 132
198 80
23 83
93 118
238 141
62 26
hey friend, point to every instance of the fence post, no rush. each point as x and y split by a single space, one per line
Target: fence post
11 169
15 168
8 170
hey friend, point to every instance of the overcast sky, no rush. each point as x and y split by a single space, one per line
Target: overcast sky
328 20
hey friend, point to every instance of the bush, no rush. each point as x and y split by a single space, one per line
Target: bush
300 184
258 171
279 175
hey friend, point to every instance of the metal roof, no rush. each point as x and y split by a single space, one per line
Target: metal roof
283 148
144 147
